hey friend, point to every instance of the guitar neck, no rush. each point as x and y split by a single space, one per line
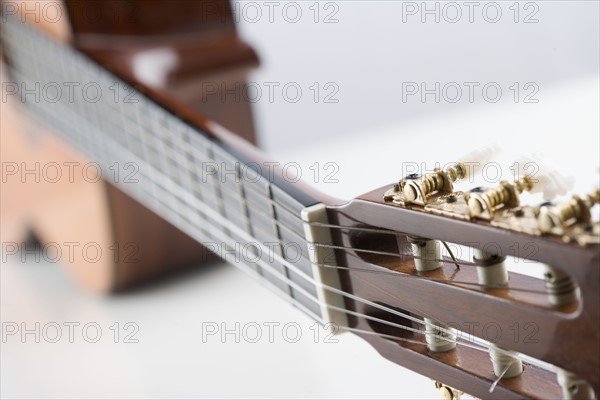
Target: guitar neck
216 188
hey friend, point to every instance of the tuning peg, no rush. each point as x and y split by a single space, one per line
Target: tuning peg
484 202
555 218
543 179
416 188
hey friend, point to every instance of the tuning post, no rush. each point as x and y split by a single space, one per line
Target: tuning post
506 363
562 289
573 387
492 273
491 270
555 218
427 252
483 203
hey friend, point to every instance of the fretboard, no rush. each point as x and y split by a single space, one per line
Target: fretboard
233 206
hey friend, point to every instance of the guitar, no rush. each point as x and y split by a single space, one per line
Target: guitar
372 266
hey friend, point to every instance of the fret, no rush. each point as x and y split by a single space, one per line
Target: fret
233 198
291 232
173 157
193 154
215 183
261 217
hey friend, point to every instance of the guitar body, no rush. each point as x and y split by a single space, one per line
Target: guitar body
122 243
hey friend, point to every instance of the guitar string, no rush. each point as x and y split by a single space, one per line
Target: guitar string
229 225
504 371
350 251
301 273
290 283
294 214
279 276
310 296
281 224
277 291
471 343
479 344
395 273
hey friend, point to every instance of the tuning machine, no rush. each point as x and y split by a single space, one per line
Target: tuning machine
424 189
572 220
483 203
555 219
421 189
417 189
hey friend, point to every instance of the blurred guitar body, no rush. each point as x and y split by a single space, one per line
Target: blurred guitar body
56 194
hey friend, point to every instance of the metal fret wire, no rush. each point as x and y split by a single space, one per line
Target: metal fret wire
169 182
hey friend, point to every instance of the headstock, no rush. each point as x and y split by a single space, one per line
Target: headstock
466 320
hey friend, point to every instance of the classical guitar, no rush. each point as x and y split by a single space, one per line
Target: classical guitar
374 266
